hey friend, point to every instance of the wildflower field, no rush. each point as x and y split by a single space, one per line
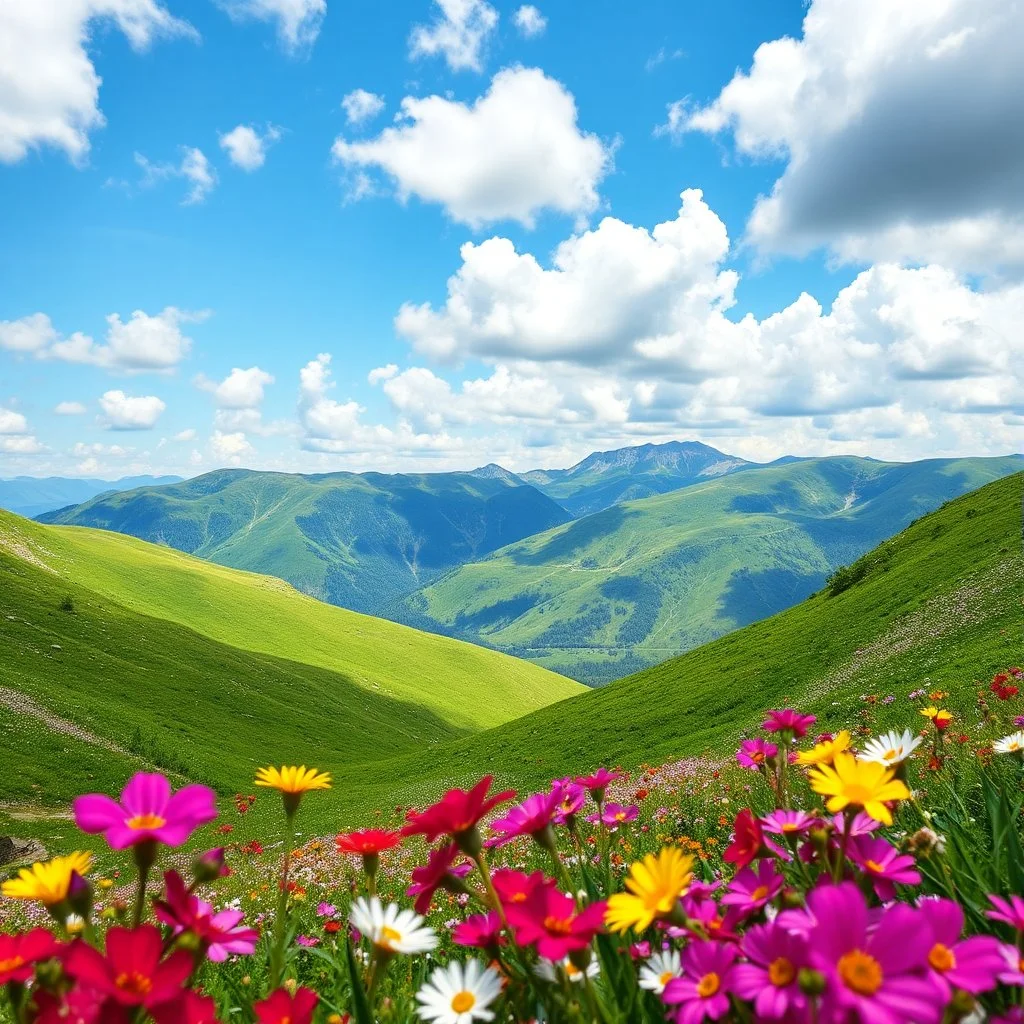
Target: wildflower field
870 874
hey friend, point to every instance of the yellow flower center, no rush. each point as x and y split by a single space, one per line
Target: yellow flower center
146 821
517 897
11 964
781 971
873 865
942 958
558 925
134 982
620 815
463 1002
759 893
789 827
708 985
665 977
888 755
757 757
388 936
857 793
861 972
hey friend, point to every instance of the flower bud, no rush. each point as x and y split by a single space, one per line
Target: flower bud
209 865
812 983
80 895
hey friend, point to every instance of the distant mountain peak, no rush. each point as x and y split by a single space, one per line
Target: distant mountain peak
492 471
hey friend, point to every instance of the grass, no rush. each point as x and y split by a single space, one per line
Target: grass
640 582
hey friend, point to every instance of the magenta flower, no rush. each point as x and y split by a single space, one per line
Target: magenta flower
770 979
878 975
789 823
548 920
883 864
613 815
789 722
533 817
753 889
572 800
1019 720
1012 972
861 825
480 930
307 940
326 909
597 783
220 933
705 920
970 964
440 872
703 990
1009 911
148 811
755 753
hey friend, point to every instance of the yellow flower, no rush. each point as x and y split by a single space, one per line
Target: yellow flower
293 780
825 752
47 881
848 782
655 885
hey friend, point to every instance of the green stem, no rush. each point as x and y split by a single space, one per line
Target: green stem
492 893
140 895
277 950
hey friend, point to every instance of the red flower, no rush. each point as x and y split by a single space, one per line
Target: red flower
131 973
514 887
18 953
440 872
749 841
79 1006
189 1008
370 840
332 927
456 814
548 920
281 1008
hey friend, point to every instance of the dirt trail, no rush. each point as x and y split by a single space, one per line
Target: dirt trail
20 704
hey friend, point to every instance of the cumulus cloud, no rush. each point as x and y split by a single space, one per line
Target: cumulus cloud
33 333
23 444
902 128
231 448
246 147
12 422
49 88
360 106
189 434
298 21
194 168
529 21
127 412
514 152
240 389
459 34
70 409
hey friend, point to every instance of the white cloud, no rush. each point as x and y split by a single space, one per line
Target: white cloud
240 389
29 334
516 151
12 422
70 409
49 88
459 34
125 412
21 445
529 21
298 21
379 373
246 147
901 127
194 168
360 105
230 448
185 435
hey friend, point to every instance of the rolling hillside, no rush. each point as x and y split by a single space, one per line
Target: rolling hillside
642 581
941 604
355 540
626 474
33 496
116 651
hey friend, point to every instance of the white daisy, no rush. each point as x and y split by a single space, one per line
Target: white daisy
565 969
459 993
659 970
891 748
1012 744
390 928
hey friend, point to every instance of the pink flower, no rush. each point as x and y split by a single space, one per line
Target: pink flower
574 797
326 909
188 1008
282 1008
770 979
876 974
883 864
706 922
751 890
788 722
861 825
970 964
148 811
1012 972
613 815
221 934
703 990
756 753
789 823
1009 911
19 953
307 940
480 930
440 872
533 817
548 920
515 887
597 783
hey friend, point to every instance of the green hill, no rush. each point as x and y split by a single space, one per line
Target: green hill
117 653
940 605
355 540
645 580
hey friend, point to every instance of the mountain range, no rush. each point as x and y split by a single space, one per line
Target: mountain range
32 496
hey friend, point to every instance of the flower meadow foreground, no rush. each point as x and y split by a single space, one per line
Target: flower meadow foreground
848 891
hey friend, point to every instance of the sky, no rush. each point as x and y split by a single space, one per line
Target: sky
314 235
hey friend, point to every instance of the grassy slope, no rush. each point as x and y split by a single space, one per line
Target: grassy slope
356 540
640 582
942 601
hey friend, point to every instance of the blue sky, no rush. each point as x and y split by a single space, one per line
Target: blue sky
147 252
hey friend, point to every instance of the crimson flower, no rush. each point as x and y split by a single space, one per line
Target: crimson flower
281 1007
480 930
148 811
18 953
514 887
749 841
547 919
367 841
219 932
131 973
189 1008
440 872
788 721
533 817
614 815
457 814
79 1006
